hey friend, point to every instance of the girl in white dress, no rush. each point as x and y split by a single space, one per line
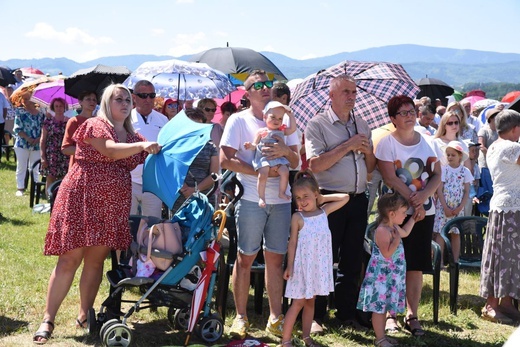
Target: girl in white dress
309 264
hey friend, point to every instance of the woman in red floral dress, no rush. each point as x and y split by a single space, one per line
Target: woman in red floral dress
90 215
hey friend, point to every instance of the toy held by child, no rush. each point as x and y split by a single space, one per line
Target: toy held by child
452 194
384 287
309 262
274 132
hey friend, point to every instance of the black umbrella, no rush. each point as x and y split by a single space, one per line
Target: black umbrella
95 79
434 89
238 62
6 76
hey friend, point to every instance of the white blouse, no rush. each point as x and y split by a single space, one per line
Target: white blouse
502 159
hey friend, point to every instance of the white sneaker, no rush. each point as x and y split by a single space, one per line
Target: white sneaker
19 193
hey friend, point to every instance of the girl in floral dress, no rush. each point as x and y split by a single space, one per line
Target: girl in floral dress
452 193
384 287
309 263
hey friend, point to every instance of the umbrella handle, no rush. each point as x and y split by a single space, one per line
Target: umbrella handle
223 217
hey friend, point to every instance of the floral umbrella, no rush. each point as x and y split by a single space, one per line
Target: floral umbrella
181 80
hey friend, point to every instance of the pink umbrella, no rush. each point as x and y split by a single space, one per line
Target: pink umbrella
46 92
212 253
234 97
473 99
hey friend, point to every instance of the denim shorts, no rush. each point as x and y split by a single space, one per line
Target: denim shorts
271 224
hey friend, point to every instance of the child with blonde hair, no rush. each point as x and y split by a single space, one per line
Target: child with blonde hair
309 261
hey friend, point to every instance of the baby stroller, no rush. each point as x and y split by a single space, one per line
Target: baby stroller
200 225
201 229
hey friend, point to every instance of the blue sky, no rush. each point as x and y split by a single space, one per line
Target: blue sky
85 30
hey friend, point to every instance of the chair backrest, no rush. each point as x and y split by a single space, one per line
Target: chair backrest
53 191
472 230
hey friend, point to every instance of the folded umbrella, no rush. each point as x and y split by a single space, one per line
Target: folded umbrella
181 140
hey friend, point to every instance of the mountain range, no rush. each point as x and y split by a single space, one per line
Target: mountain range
454 66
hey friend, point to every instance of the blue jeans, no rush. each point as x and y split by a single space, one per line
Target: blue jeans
271 224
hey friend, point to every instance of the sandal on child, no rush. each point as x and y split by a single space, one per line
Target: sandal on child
417 332
42 336
392 329
81 324
286 344
384 342
309 342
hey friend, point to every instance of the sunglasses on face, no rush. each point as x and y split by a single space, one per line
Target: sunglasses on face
172 106
146 95
455 122
260 85
207 109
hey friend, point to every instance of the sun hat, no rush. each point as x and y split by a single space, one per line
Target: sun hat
456 145
274 104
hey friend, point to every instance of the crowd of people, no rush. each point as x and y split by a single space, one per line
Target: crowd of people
430 167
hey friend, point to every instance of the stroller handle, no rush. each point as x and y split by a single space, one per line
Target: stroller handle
227 176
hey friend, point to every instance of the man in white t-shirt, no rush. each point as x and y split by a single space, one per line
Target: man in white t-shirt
148 123
254 223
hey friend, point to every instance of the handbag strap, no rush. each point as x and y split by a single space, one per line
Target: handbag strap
150 240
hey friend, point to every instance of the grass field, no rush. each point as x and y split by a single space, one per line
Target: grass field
24 274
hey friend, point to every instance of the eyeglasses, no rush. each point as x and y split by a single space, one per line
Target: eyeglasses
260 85
207 109
121 100
146 95
455 122
406 113
172 106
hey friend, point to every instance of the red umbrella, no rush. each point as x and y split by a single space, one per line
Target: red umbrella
32 72
476 92
199 302
511 96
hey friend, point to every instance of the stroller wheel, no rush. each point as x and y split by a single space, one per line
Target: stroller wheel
117 334
181 318
210 328
92 323
105 326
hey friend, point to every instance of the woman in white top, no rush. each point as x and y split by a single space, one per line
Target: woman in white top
467 131
500 271
408 164
449 130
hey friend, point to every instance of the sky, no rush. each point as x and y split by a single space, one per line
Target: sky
300 29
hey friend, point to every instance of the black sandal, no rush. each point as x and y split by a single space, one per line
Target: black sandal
394 329
41 337
81 325
417 332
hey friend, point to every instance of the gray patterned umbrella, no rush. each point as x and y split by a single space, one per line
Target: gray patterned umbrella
377 82
181 80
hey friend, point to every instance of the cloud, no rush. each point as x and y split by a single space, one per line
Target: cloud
157 32
69 36
308 56
184 44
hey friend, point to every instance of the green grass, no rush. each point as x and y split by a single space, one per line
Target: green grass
24 274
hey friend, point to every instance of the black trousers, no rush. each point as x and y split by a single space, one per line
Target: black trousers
347 226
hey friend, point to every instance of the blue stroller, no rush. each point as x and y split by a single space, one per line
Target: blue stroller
164 175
